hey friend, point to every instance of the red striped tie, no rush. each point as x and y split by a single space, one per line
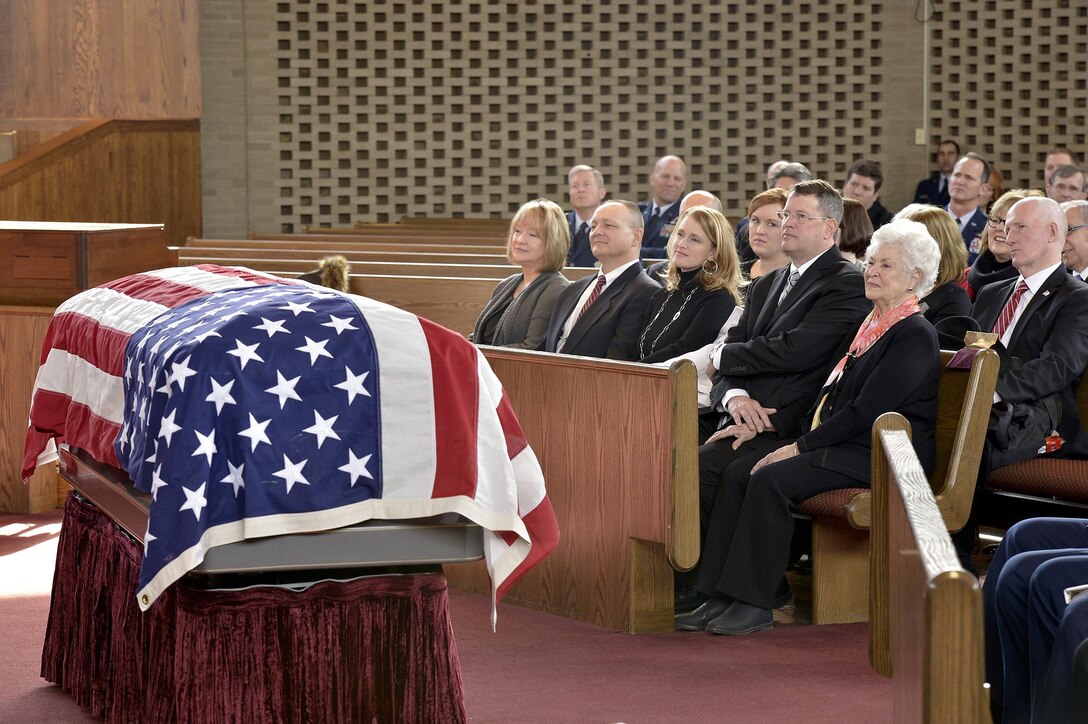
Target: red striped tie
1010 309
592 296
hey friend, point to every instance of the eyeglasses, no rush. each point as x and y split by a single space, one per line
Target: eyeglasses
1078 227
799 216
995 222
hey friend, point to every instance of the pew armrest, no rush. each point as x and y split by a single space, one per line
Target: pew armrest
682 543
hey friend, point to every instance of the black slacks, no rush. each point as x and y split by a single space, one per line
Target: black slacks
747 541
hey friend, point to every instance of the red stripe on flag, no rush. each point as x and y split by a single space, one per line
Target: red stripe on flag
148 288
511 428
83 337
241 274
544 534
84 429
456 399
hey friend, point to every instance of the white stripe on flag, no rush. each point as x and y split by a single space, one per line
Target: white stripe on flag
112 310
87 385
204 280
409 446
494 474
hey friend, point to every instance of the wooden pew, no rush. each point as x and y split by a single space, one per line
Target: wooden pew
841 518
935 652
394 233
617 444
352 255
322 247
260 261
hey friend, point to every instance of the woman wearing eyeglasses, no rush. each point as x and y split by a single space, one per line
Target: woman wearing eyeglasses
891 362
994 262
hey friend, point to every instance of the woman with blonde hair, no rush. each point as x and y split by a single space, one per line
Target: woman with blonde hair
994 262
702 287
520 308
948 298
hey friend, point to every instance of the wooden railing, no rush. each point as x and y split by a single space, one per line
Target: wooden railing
110 171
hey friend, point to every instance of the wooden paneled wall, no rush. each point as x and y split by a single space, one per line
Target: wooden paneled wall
99 59
111 171
22 330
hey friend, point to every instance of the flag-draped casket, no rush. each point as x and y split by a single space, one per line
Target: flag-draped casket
251 406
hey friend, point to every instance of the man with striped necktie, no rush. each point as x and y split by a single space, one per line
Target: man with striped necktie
1041 321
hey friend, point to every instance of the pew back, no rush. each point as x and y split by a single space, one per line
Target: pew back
617 445
935 605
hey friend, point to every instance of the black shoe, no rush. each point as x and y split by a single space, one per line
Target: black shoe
700 617
741 618
783 596
688 600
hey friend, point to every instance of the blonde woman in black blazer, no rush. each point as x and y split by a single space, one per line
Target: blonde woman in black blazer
518 312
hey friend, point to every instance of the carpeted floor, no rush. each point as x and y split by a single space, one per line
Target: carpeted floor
535 668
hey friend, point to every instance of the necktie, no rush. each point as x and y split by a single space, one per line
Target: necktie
1078 277
794 276
655 216
592 296
1007 313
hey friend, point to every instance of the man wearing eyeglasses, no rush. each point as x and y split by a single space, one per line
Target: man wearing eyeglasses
970 182
1066 183
1075 252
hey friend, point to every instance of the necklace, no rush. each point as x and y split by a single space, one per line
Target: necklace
642 339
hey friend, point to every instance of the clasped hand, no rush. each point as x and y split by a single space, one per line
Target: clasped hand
751 414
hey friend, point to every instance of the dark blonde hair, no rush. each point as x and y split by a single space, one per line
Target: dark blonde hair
946 232
726 274
768 197
1002 206
550 221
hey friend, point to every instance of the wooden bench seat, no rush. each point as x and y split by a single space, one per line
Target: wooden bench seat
1039 486
933 646
841 518
394 233
313 256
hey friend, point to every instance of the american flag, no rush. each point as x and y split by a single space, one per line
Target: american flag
248 406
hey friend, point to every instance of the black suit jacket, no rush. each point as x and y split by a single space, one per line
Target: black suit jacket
947 300
655 234
610 327
878 215
1048 348
897 374
781 354
929 191
579 254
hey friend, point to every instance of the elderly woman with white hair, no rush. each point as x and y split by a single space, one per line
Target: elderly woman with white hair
889 363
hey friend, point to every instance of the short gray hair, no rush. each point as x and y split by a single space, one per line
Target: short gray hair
919 249
597 175
1081 206
794 170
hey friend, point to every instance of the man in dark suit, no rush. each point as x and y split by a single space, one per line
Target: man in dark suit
1041 319
1075 253
863 181
934 190
970 182
602 315
587 192
774 361
668 181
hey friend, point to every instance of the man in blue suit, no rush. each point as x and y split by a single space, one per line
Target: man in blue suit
970 181
934 190
659 213
587 192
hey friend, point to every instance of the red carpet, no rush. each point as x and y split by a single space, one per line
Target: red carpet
536 668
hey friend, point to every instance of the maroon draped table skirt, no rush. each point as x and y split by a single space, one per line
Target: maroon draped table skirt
375 649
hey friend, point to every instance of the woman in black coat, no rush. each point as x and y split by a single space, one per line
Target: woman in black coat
994 262
702 287
891 363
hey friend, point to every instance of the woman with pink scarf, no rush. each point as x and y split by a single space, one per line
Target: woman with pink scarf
889 363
